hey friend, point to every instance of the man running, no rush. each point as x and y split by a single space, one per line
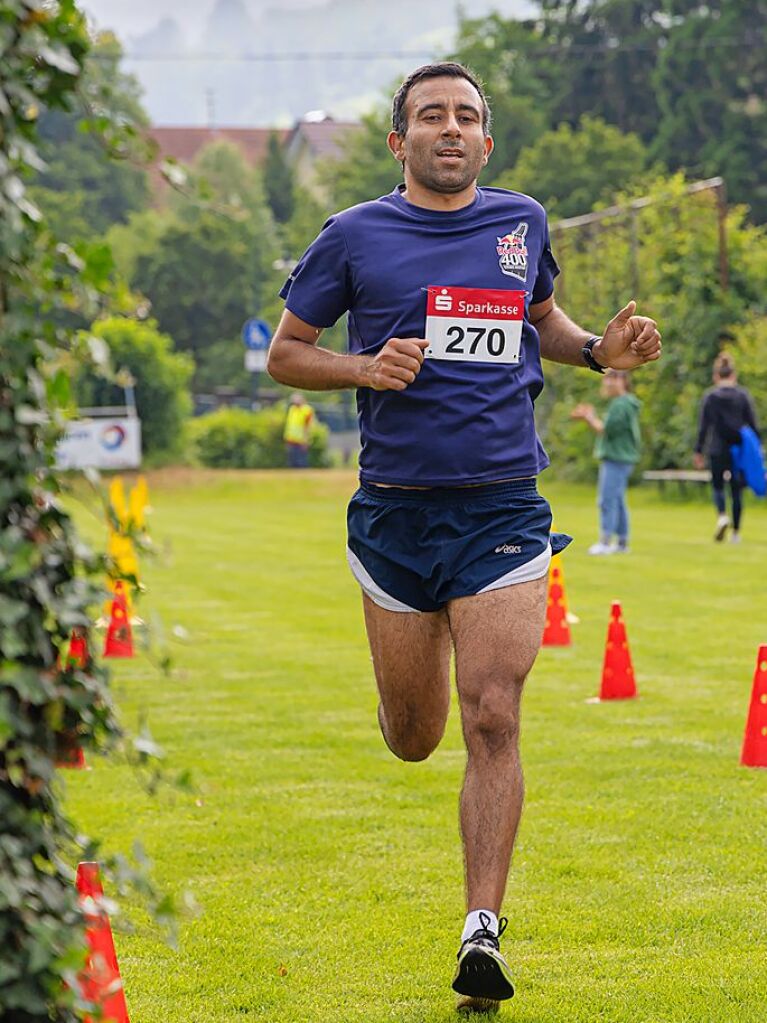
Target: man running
449 293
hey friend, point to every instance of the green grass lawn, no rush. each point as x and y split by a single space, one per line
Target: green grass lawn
330 874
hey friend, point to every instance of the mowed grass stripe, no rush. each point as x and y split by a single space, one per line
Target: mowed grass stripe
330 874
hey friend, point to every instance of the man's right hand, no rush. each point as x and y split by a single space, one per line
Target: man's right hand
396 365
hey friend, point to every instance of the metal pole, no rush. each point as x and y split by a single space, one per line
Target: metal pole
634 229
724 264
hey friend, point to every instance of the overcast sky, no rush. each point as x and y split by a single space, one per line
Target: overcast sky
266 62
132 17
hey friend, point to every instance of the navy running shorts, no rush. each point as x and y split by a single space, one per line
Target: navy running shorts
414 550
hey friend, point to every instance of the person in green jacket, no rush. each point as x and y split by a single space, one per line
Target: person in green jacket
617 448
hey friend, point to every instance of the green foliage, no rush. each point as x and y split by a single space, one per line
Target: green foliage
161 379
48 577
234 438
711 82
45 589
137 237
83 189
278 181
517 75
305 223
222 181
571 170
366 168
688 79
749 349
676 275
211 268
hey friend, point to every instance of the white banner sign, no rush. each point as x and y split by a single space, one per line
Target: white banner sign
255 361
100 444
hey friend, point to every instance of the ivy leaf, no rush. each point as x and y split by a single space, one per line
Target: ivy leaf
28 416
11 611
99 351
59 389
61 59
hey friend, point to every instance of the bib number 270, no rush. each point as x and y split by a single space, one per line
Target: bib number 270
474 324
467 340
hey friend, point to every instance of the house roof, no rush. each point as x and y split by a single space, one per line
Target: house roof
183 143
323 138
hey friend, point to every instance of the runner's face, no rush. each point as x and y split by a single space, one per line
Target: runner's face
445 146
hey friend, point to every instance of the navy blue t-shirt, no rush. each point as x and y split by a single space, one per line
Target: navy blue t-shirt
460 422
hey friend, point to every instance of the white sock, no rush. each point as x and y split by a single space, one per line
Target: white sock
473 922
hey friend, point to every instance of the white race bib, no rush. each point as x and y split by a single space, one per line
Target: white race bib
474 324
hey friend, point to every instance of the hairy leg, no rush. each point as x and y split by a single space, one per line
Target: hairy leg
411 658
497 636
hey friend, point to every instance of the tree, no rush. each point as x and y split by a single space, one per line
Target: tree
160 375
673 244
82 188
687 78
279 182
212 268
711 83
365 169
518 76
605 52
570 171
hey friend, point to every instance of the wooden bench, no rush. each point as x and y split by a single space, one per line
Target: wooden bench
680 476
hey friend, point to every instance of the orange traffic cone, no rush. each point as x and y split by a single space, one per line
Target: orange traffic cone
617 672
78 655
755 741
557 630
100 981
69 753
119 641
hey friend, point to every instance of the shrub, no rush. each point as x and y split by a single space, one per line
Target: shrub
161 377
234 438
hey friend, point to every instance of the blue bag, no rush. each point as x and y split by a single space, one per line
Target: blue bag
748 461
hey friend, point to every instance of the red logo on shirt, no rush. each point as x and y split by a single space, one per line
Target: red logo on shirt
512 253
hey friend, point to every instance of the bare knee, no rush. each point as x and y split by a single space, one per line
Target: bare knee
491 719
407 737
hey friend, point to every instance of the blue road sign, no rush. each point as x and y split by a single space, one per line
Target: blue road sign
256 334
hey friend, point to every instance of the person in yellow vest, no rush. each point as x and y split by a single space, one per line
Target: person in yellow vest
297 429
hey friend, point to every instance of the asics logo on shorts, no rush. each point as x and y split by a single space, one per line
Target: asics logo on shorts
509 548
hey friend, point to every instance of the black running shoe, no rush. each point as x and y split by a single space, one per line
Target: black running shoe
482 977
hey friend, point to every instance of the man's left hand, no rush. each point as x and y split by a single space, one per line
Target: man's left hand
628 341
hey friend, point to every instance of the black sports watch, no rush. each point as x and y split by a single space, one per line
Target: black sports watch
588 356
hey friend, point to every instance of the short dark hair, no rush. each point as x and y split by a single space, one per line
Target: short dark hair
443 69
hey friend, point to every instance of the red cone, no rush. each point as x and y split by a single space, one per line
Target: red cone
755 741
69 753
119 641
100 980
557 630
78 655
617 672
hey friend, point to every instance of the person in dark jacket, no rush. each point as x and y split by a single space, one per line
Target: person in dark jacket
725 408
617 449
